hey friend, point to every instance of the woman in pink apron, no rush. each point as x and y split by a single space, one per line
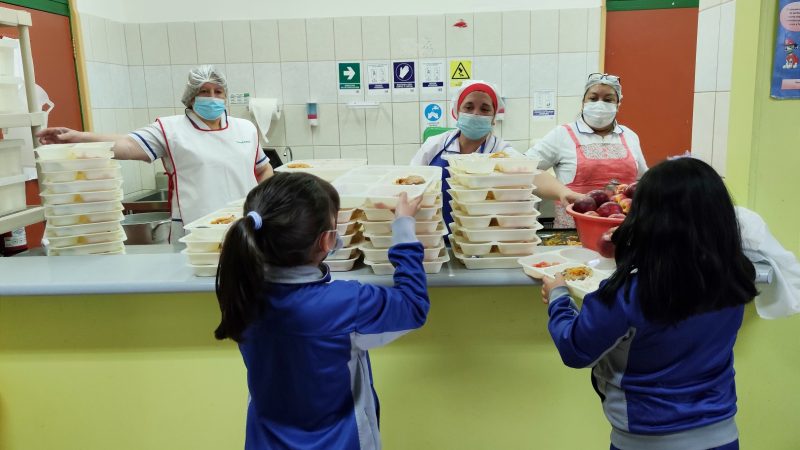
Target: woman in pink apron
594 150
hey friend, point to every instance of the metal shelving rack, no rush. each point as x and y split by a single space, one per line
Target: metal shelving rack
34 119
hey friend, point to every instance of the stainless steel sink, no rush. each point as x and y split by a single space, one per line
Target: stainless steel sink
151 201
159 196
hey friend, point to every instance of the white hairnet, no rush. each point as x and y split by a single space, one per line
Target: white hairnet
608 80
199 76
477 85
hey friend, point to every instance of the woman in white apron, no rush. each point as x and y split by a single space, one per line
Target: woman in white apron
590 152
210 158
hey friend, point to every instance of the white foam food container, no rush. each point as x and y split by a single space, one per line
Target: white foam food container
517 165
387 196
113 171
7 49
428 241
78 219
425 212
346 228
474 163
500 248
61 165
83 208
342 265
385 226
493 180
113 247
219 220
237 203
378 184
497 234
343 253
93 238
82 186
489 207
327 169
10 155
78 230
12 194
345 215
381 255
88 150
488 261
386 268
195 244
81 197
352 239
491 194
500 220
566 258
12 97
204 270
201 259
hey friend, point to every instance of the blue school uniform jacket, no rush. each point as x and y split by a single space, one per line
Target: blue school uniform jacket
308 369
661 386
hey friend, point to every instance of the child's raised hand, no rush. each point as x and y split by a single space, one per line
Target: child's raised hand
406 207
549 283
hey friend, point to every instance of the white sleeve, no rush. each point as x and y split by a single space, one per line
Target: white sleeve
261 157
548 149
151 139
636 148
426 153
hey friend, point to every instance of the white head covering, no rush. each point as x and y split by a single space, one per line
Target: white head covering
598 79
475 85
199 76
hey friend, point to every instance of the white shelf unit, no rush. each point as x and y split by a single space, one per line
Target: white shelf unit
34 119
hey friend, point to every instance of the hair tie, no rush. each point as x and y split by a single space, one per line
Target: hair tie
257 222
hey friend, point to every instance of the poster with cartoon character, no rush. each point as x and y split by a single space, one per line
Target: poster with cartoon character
786 65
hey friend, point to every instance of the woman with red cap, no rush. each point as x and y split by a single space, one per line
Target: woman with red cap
474 107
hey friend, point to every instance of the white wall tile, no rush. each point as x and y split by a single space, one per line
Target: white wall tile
488 31
572 25
327 132
302 152
354 151
322 81
182 44
592 63
97 27
276 136
298 131
264 34
516 33
544 72
725 50
292 38
147 174
406 123
158 81
117 53
720 144
294 76
138 87
404 152
516 123
327 152
571 73
403 36
705 4
94 77
210 42
86 32
124 120
107 121
238 43
568 109
380 154
486 68
240 78
540 127
140 118
352 126
430 36
122 86
516 76
155 44
705 72
520 145
593 37
239 111
379 124
703 126
347 32
268 81
375 37
131 177
460 40
133 44
319 38
544 31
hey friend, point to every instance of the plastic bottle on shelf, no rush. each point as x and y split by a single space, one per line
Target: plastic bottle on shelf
14 242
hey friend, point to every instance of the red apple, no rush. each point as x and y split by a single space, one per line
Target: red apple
617 198
599 196
625 203
606 248
617 216
591 213
609 208
631 189
584 204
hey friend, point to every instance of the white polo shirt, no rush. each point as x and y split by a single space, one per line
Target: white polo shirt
557 150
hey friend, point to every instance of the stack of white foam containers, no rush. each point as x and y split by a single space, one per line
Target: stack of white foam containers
81 194
374 190
12 180
204 239
350 230
494 210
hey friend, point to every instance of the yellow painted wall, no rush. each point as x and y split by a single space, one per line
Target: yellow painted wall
764 138
144 372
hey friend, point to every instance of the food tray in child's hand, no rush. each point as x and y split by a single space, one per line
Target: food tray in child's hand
583 269
327 169
381 185
88 150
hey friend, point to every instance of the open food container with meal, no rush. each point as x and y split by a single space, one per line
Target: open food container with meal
214 226
327 169
380 186
582 269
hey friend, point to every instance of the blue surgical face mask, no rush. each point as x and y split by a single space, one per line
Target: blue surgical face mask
338 245
209 108
474 126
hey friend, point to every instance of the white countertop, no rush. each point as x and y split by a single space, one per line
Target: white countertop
156 269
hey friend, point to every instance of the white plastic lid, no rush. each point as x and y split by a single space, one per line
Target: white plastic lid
11 143
10 43
13 180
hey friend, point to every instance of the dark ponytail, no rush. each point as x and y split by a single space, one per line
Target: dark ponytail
295 208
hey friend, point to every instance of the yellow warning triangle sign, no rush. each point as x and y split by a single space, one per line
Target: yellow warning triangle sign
460 73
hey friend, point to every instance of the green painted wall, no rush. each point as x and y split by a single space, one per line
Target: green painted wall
763 170
144 372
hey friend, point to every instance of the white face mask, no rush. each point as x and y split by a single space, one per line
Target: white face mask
599 114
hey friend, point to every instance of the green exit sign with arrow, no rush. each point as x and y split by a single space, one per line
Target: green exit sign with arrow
349 75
